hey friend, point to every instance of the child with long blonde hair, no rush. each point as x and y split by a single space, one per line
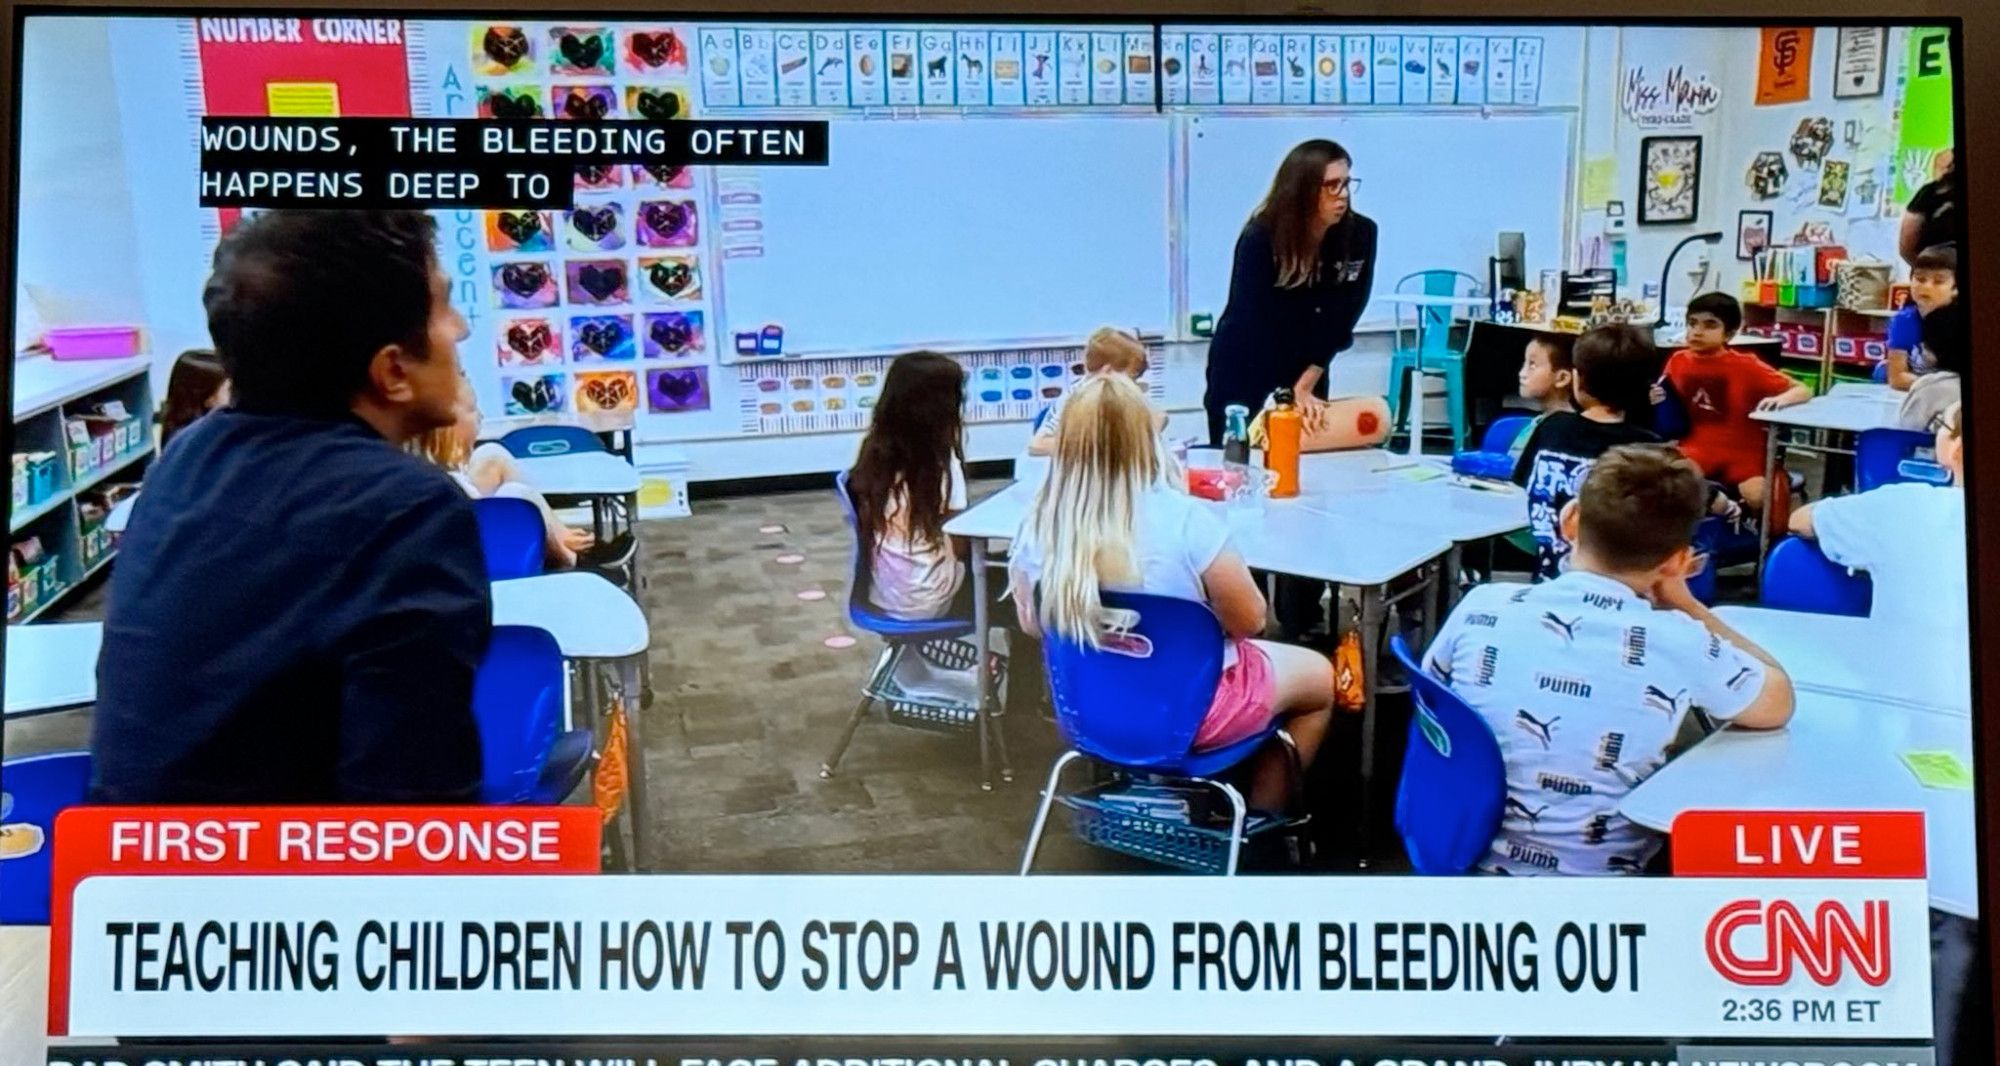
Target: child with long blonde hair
1108 517
489 470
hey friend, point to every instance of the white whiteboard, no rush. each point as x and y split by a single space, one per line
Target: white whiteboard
961 232
1440 187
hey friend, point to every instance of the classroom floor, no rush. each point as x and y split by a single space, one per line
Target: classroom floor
749 700
750 697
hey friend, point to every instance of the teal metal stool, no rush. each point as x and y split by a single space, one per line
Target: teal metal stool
1431 351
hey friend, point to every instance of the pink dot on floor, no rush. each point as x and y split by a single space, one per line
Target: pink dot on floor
771 529
839 642
812 595
791 559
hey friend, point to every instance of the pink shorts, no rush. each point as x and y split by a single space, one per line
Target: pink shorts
1243 700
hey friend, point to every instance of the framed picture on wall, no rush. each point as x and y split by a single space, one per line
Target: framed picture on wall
1669 180
1858 61
1753 233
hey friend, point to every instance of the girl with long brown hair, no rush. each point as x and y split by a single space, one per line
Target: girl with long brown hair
909 478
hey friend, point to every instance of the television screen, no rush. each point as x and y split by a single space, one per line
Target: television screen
932 538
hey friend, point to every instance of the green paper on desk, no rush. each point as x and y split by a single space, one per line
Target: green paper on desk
1418 472
1939 769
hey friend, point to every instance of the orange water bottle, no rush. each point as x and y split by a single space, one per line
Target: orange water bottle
1284 425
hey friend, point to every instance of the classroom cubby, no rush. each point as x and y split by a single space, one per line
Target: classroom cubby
68 455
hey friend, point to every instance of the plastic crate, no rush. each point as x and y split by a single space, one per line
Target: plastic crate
1098 820
920 711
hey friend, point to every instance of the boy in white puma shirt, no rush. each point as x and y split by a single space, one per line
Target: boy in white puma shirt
1586 679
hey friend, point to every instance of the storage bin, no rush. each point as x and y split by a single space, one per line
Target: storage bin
20 482
93 342
1810 342
44 476
1767 293
1788 295
1847 347
13 599
1874 349
1817 296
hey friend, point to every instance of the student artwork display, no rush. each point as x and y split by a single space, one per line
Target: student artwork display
1669 180
1767 175
677 391
617 278
1833 184
540 394
872 67
1753 233
1858 61
529 342
1811 141
607 390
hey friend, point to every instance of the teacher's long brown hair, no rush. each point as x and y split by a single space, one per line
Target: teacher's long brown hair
1289 207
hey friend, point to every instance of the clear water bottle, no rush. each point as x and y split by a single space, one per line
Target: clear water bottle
1236 435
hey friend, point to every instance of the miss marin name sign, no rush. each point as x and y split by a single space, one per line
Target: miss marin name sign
920 955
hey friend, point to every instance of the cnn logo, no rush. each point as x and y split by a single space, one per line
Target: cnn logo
1780 937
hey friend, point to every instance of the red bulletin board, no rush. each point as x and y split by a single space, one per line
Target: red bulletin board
361 60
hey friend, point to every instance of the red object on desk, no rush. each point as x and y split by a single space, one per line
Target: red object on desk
1213 484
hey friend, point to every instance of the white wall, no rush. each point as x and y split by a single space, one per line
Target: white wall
88 177
77 260
1732 135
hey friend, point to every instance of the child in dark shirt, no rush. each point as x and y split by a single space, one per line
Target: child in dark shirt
1613 374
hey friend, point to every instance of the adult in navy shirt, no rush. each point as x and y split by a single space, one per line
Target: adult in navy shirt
299 604
1304 265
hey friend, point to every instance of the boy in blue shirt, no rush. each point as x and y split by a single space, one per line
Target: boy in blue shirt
1933 283
299 604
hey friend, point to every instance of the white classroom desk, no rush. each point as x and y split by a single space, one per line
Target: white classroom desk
52 666
1302 537
1839 753
1851 657
593 621
580 474
1848 408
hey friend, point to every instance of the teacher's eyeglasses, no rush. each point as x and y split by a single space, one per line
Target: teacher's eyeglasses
1338 186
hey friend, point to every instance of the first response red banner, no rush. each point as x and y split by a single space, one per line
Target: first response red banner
230 841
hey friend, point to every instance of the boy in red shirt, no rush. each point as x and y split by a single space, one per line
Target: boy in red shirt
1720 387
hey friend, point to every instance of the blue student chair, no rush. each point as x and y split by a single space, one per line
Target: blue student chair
1799 577
1454 785
535 442
34 789
1427 347
1134 707
937 640
1881 374
1492 460
512 536
517 699
1724 546
1879 453
1041 419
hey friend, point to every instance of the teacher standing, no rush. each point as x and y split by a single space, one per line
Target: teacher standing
1304 265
